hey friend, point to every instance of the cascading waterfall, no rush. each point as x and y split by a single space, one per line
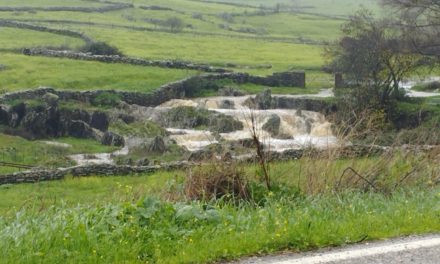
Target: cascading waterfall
297 129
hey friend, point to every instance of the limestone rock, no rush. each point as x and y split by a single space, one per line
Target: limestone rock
80 129
35 123
157 145
112 139
5 116
227 104
224 124
143 162
273 125
201 155
51 99
17 113
100 121
263 100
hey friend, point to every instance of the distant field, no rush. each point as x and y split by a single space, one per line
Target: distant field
243 37
48 3
12 38
325 7
25 72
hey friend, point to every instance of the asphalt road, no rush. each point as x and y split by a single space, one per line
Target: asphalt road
415 249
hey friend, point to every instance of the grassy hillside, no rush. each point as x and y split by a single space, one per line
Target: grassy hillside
243 35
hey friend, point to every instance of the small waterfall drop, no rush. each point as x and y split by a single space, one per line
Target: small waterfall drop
297 129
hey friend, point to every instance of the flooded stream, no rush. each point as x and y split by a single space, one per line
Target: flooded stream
297 129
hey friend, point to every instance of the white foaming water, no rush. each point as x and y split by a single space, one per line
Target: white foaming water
192 139
98 158
409 84
298 129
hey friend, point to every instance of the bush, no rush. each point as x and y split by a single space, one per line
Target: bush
197 16
217 180
227 17
175 24
101 48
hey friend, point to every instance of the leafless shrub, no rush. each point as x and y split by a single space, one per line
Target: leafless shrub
367 167
216 180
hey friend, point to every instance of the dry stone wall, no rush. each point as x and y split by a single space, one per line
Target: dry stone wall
113 170
100 9
121 59
84 171
174 90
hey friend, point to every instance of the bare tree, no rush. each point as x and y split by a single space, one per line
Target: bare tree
175 24
372 55
421 21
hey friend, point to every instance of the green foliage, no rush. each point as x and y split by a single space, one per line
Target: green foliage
100 48
107 99
175 24
155 231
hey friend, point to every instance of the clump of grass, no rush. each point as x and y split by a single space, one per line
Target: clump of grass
101 48
217 180
106 99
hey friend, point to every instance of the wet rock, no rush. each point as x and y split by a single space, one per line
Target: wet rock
306 104
184 117
100 121
201 155
4 115
80 129
143 162
227 104
263 100
51 99
17 113
157 145
230 91
54 128
273 125
35 123
76 114
112 139
128 119
247 143
224 124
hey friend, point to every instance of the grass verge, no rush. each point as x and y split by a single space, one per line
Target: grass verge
162 232
142 219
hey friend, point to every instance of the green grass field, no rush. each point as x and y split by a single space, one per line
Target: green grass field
204 39
20 38
82 219
25 72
